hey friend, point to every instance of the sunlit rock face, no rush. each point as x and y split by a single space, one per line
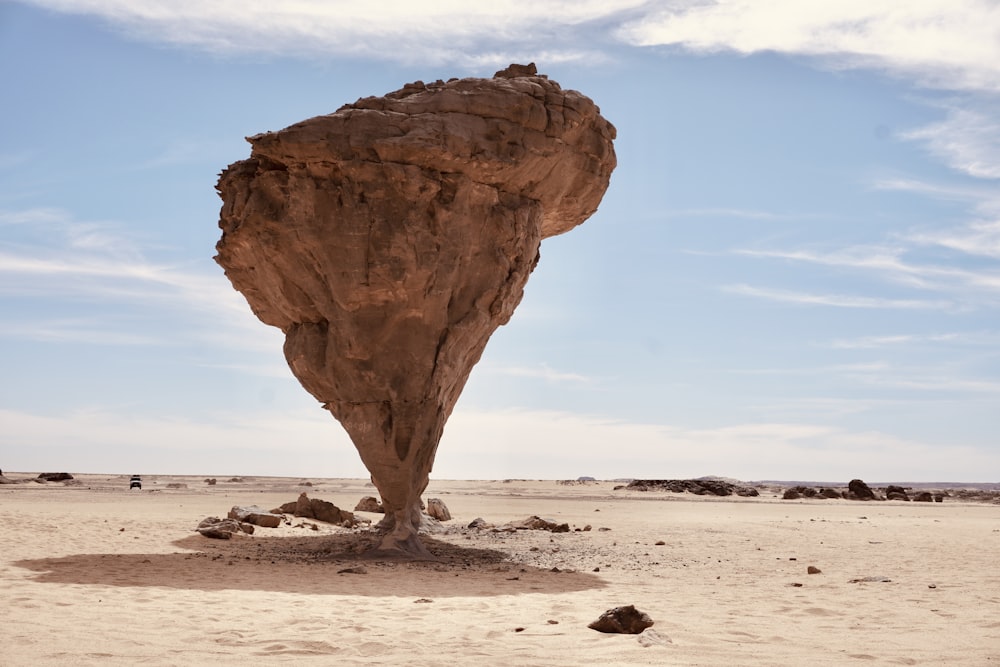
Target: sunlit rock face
390 239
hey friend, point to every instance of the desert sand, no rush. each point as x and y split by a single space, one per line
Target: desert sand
95 574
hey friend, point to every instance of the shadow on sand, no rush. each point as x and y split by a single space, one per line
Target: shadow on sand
321 565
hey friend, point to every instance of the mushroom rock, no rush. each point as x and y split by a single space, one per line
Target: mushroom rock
390 239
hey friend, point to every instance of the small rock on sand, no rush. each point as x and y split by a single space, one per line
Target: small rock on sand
622 620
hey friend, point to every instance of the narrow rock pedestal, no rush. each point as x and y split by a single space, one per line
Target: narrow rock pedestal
390 239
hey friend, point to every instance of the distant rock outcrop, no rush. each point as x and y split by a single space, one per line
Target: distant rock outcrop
699 487
390 239
54 476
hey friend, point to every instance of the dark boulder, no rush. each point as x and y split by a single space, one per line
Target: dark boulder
622 620
896 493
858 490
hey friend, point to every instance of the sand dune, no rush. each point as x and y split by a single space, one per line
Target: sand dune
94 574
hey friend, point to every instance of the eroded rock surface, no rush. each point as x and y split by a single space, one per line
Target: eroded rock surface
390 239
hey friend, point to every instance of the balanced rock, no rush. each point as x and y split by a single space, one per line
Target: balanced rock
623 620
390 239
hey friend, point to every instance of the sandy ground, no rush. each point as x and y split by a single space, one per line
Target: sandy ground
93 574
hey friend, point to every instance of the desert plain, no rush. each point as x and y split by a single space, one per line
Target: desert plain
92 573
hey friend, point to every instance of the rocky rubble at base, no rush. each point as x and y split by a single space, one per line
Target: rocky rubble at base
256 516
223 529
533 522
320 510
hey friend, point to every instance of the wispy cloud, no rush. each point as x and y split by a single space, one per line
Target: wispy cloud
953 45
96 262
452 31
91 331
541 372
874 342
889 262
968 139
836 300
738 213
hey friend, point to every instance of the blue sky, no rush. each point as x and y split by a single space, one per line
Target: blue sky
795 273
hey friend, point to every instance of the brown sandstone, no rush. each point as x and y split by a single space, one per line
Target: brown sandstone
390 239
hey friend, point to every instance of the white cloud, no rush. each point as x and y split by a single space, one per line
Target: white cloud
433 32
96 262
951 44
87 331
542 372
837 300
889 263
968 140
980 238
873 342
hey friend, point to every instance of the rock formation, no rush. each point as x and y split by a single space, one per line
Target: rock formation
436 509
858 490
223 529
390 239
321 510
54 477
256 516
699 487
